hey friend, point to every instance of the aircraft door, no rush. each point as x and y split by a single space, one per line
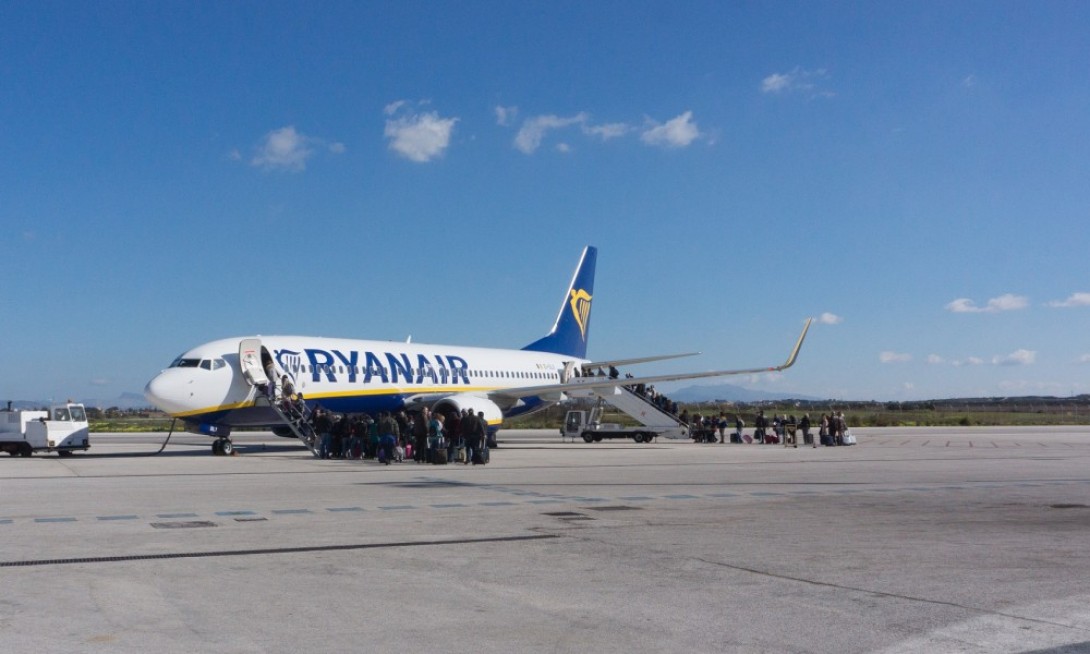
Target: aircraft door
249 360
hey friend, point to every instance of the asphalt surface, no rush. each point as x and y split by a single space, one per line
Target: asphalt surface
915 540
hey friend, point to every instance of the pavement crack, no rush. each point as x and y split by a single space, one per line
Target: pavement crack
880 593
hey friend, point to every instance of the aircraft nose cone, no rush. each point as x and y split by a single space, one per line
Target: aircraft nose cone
164 393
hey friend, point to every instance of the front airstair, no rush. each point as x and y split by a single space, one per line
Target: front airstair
296 416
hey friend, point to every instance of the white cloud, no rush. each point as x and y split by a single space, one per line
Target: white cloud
100 381
283 149
533 130
505 115
1075 300
1083 359
1016 358
894 357
418 137
829 319
1007 302
775 83
969 361
607 131
563 147
287 149
934 360
675 133
798 80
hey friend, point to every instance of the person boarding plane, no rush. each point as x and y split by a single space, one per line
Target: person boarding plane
239 382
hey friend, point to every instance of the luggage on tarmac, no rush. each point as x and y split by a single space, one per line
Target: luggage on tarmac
827 440
480 457
747 438
439 457
408 450
735 437
848 438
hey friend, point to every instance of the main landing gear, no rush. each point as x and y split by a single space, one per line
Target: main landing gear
223 447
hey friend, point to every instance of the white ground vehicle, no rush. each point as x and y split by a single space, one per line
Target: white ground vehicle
63 429
588 426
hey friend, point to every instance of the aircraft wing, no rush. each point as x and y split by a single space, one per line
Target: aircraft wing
591 365
605 382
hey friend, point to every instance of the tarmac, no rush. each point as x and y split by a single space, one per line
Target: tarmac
914 540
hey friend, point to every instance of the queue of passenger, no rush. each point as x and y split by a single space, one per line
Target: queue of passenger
423 436
832 429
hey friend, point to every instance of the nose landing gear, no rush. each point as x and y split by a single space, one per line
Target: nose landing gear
223 447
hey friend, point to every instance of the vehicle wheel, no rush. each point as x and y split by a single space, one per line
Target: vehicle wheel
638 438
217 447
25 449
64 452
588 437
227 448
597 439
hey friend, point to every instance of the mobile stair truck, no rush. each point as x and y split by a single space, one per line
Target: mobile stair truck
588 426
62 429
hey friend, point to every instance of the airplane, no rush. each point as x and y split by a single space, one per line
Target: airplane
219 385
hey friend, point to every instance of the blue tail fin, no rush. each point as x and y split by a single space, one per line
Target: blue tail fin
569 333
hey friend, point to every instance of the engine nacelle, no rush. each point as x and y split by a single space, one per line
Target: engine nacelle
492 414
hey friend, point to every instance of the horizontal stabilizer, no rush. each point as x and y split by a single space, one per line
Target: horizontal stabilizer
631 362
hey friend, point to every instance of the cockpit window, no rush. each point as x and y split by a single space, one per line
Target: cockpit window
218 363
206 364
185 363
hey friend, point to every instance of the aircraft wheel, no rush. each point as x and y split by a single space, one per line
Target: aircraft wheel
227 448
217 447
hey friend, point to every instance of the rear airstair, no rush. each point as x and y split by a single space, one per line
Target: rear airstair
638 407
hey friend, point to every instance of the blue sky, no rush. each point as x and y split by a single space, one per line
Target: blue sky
917 175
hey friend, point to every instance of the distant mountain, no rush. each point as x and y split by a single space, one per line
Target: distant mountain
730 393
125 401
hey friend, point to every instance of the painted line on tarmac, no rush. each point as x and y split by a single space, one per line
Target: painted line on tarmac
534 499
275 550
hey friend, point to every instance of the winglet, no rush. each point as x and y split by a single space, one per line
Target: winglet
798 346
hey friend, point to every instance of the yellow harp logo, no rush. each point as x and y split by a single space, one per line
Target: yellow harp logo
580 307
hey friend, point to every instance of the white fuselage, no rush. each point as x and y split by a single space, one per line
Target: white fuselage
207 384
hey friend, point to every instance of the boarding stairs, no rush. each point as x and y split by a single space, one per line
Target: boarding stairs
296 416
638 407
